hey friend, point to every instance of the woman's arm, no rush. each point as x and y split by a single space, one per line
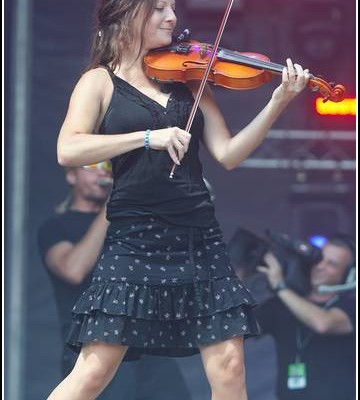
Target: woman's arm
231 151
78 144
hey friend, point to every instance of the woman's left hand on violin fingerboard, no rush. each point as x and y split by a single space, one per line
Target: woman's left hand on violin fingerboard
294 81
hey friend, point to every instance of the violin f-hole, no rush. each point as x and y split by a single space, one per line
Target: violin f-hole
187 63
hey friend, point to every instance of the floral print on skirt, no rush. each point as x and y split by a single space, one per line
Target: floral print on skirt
162 289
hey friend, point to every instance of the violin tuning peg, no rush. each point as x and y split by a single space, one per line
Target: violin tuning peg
322 77
184 36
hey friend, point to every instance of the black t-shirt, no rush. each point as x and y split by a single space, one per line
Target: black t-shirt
71 227
141 177
329 359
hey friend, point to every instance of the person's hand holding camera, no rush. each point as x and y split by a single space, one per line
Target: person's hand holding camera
273 272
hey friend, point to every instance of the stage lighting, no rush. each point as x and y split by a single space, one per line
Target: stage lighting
318 241
345 107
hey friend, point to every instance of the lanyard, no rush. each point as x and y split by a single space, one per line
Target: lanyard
302 342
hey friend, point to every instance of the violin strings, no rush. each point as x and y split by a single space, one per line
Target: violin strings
251 61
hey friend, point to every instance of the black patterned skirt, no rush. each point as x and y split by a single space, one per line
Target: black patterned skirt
162 289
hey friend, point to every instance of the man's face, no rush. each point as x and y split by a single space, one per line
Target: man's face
332 268
88 184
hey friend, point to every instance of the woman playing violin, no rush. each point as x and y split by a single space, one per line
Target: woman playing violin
163 284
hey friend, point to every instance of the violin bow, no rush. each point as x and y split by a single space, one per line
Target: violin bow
206 74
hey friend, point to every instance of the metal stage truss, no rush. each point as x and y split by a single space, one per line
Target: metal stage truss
305 150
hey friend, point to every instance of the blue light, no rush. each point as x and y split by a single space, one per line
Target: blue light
318 241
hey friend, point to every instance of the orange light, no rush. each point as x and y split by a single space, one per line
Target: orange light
345 107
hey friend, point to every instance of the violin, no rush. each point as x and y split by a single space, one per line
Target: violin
186 60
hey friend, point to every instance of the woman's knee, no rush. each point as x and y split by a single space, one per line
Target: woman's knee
93 375
224 364
233 372
96 366
229 373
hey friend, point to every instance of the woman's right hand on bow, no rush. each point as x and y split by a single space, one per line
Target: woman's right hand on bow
174 140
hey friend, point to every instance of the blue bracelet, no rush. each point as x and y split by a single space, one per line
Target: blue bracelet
147 139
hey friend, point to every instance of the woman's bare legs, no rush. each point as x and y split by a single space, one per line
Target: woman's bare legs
94 369
225 370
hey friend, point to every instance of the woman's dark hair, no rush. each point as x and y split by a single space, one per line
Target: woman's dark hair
114 30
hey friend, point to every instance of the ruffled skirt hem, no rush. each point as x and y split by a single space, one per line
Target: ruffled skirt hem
163 320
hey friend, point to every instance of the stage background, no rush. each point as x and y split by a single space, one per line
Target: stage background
254 198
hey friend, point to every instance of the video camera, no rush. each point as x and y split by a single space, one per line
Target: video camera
296 257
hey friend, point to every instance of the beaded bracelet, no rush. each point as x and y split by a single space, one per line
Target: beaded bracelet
147 139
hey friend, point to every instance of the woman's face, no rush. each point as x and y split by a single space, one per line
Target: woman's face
158 30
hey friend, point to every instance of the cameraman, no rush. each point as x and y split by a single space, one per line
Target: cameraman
315 334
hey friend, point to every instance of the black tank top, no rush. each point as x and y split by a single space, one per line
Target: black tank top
141 177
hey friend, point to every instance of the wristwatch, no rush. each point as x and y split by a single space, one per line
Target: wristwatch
280 286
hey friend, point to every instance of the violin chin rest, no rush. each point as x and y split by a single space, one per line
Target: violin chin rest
165 87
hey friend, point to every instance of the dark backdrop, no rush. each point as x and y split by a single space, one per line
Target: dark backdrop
253 198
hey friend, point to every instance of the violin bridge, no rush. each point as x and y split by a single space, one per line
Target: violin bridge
203 50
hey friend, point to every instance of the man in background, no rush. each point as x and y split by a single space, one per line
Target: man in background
314 333
70 243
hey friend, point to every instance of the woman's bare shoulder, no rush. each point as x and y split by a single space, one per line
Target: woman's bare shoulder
94 82
96 76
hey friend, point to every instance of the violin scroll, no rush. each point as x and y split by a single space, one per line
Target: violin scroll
329 91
